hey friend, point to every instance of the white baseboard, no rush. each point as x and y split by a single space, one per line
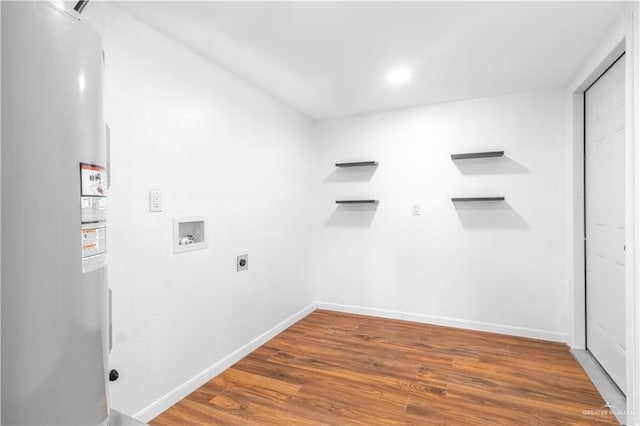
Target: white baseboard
154 409
449 322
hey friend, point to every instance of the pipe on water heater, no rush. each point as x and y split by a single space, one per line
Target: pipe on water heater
79 7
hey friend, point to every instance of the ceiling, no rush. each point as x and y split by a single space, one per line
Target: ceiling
330 59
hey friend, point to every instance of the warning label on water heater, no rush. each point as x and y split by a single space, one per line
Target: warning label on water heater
94 246
94 239
93 202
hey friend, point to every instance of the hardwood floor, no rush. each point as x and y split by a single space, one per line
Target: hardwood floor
338 369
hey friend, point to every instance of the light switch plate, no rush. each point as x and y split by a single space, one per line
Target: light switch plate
155 200
416 210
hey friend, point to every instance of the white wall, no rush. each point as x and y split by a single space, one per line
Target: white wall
215 146
493 266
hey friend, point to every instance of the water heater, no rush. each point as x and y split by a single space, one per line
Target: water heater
54 226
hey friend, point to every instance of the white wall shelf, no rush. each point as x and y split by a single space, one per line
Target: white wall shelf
469 155
358 164
456 199
357 201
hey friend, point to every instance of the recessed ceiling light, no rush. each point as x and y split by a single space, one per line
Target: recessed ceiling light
398 75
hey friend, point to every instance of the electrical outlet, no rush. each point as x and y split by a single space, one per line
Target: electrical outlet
155 200
242 262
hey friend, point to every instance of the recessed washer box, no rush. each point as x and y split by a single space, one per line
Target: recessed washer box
189 233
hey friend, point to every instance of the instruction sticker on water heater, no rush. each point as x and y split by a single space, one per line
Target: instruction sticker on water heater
94 209
93 180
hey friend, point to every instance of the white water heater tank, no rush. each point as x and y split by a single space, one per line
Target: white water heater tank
54 227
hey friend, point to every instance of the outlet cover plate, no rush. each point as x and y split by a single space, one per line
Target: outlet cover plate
155 200
242 262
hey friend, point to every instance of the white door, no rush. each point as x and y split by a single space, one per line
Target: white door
604 218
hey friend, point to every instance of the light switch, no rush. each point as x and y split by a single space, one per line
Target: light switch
155 200
416 210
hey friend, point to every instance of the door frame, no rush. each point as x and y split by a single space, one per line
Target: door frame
585 171
622 39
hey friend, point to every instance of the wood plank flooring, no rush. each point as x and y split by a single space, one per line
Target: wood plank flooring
341 369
